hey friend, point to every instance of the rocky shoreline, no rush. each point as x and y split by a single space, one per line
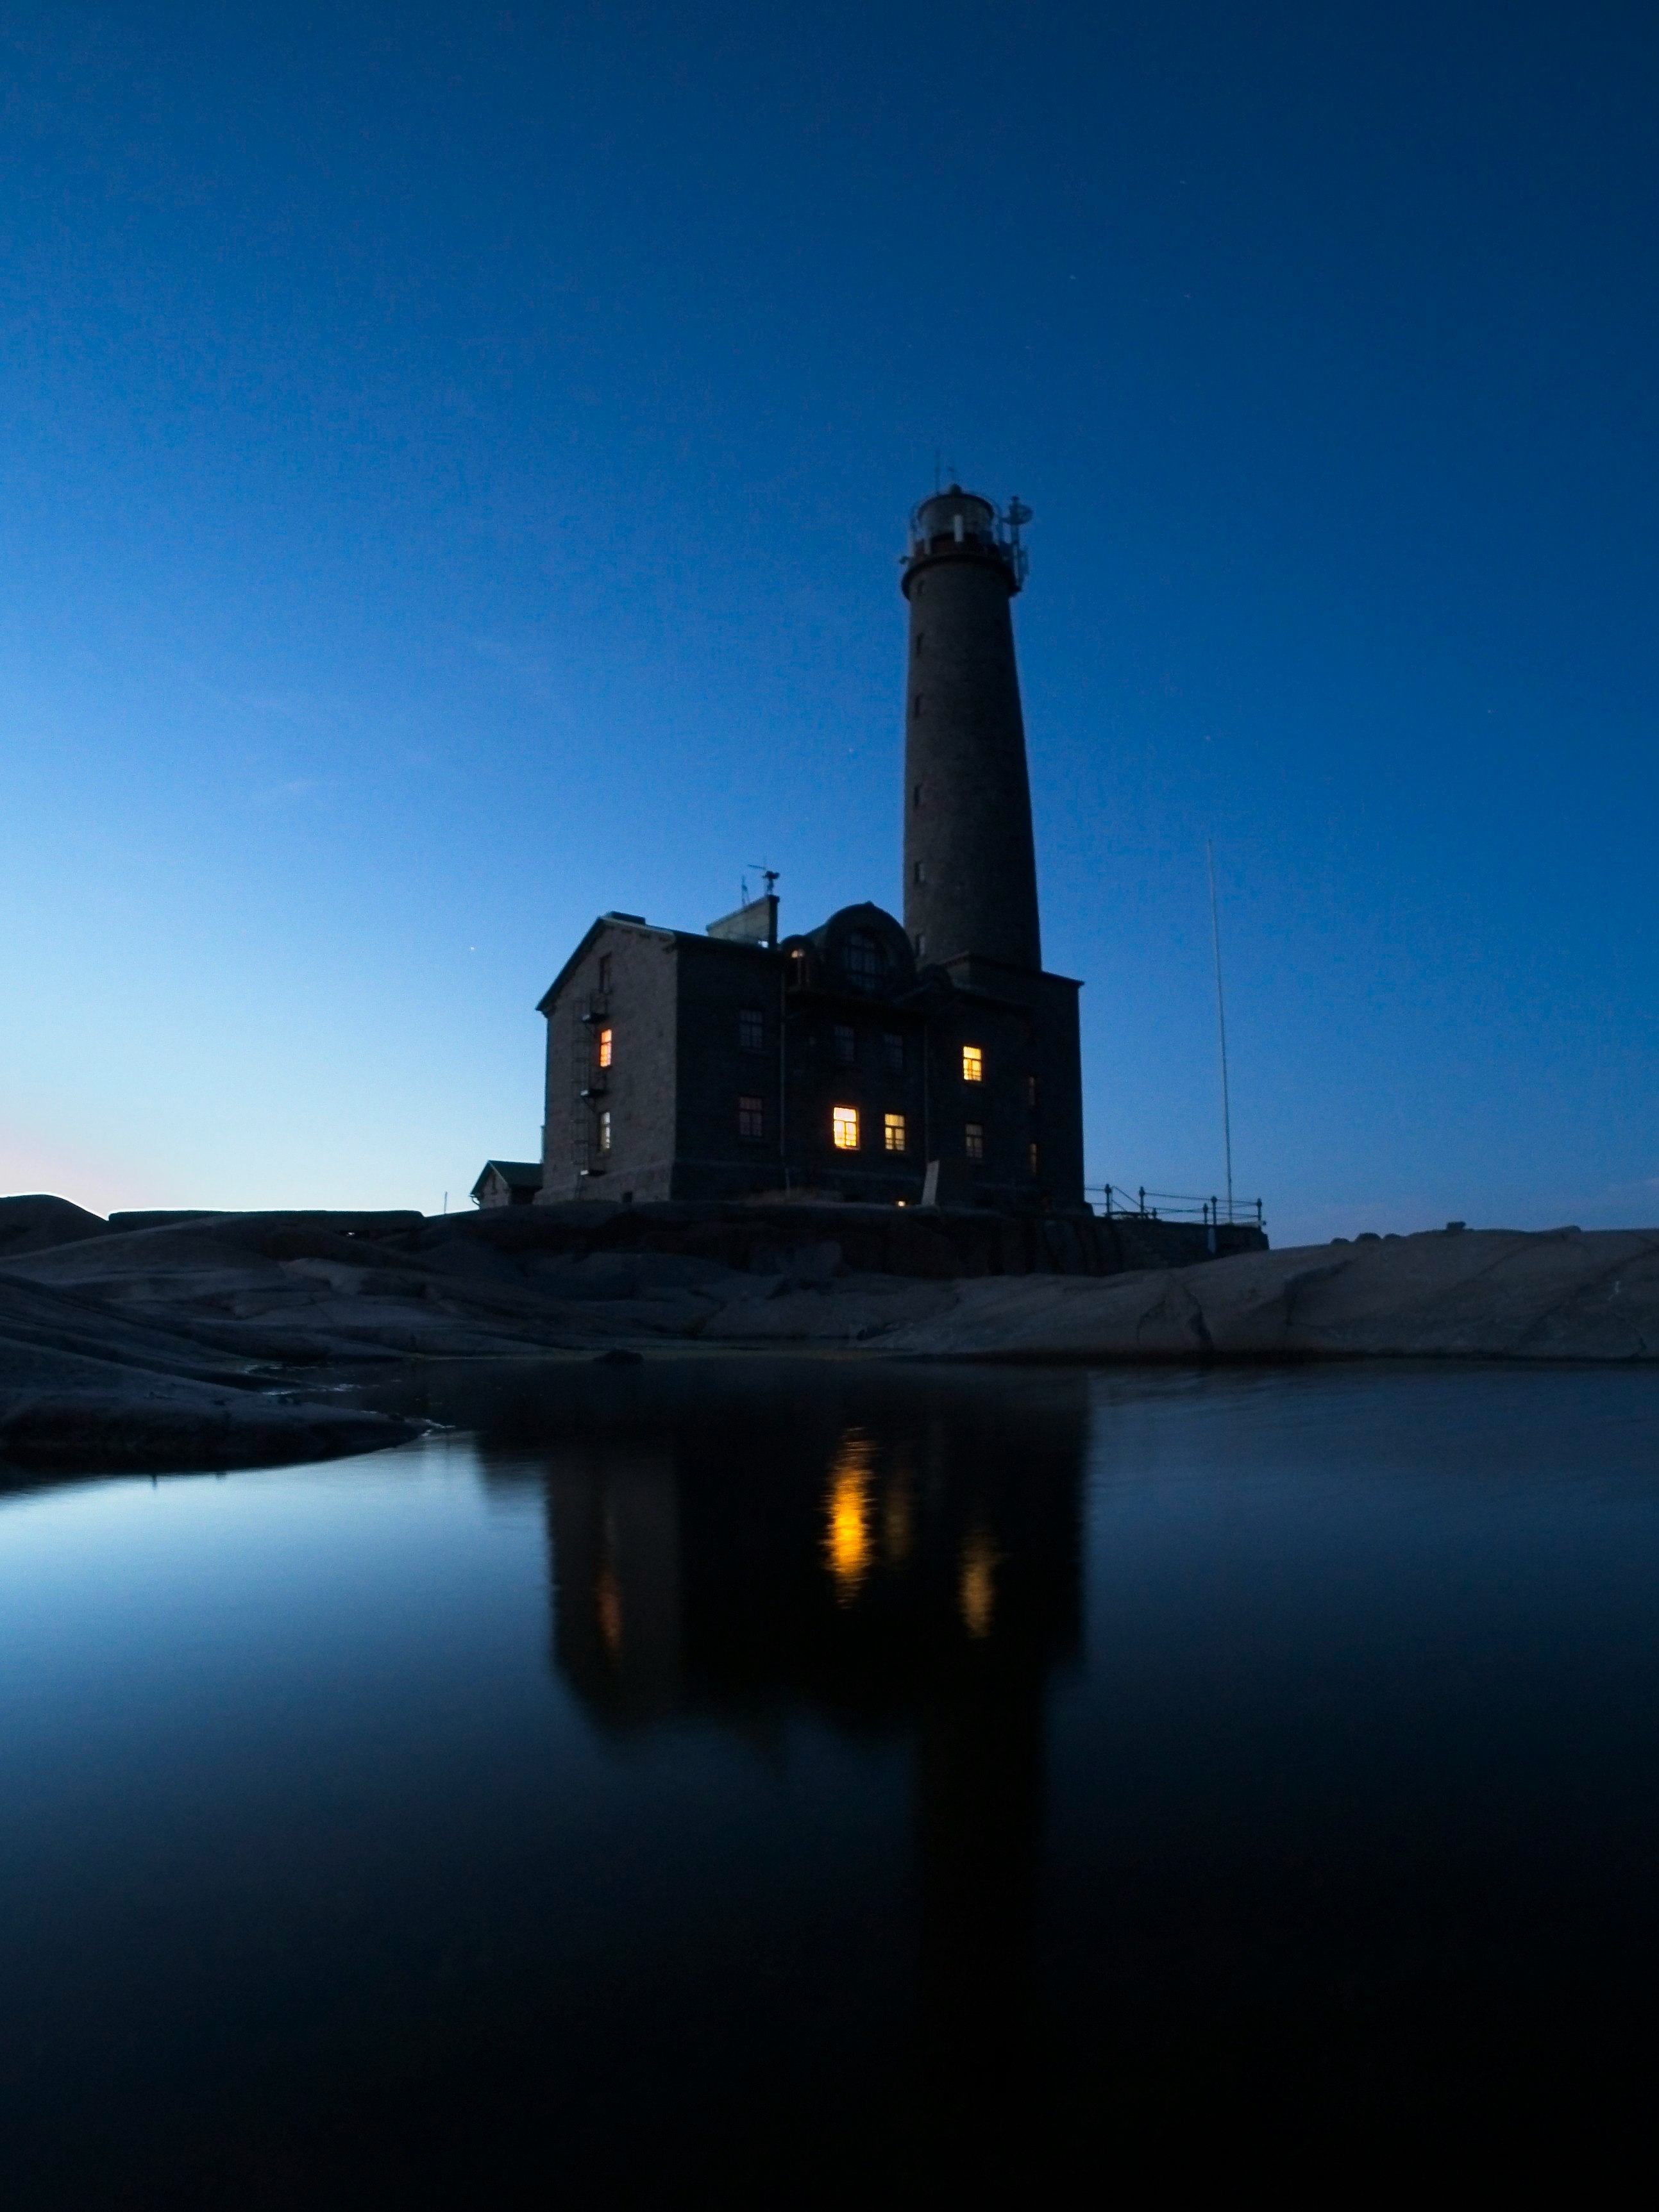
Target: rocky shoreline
209 1340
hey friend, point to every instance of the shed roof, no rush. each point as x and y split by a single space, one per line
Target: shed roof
517 1174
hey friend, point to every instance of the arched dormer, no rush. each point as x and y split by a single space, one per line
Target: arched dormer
862 948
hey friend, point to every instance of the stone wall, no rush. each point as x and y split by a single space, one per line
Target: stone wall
639 1005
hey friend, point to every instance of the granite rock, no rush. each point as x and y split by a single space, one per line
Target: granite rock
1476 1294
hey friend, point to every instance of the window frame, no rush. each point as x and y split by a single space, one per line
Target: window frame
864 960
752 1109
843 1119
973 1063
896 1125
751 1019
973 1140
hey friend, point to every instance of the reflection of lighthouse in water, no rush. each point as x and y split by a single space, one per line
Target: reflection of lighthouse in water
909 1566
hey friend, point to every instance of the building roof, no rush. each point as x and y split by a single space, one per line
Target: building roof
517 1174
603 922
649 929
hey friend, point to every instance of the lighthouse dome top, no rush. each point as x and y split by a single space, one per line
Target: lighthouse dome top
940 516
955 524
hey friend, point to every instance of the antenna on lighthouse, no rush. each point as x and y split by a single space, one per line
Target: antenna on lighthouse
1014 519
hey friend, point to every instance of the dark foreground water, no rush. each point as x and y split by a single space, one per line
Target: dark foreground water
795 1782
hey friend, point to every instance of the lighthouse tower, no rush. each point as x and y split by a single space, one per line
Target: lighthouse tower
969 863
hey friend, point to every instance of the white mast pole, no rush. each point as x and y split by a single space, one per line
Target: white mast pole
1221 1026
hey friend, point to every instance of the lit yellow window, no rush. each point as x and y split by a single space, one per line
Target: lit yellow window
844 1121
973 1064
605 1047
893 1130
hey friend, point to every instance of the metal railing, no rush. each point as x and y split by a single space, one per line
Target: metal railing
1173 1205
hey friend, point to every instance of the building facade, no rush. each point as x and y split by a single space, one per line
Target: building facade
933 1060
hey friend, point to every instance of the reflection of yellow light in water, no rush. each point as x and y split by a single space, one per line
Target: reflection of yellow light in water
846 1545
607 1606
977 1591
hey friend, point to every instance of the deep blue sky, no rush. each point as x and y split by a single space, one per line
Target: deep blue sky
456 460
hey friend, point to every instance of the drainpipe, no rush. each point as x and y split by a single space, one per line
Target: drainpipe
783 1067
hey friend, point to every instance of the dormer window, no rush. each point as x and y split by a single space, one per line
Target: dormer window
864 960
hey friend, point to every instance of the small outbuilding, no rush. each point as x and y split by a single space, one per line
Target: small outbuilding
509 1183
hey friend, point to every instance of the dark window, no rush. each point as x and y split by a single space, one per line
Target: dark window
604 971
845 1038
864 960
1030 1090
915 795
1031 1157
892 1052
973 1140
751 1030
921 872
602 1130
751 1118
893 1129
915 707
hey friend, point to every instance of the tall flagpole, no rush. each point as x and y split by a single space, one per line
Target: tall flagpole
1221 1025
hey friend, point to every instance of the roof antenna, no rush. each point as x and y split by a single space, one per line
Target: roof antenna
1221 1025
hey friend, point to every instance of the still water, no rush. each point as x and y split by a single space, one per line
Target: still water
818 1779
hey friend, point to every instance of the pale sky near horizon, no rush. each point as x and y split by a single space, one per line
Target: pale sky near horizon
457 460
